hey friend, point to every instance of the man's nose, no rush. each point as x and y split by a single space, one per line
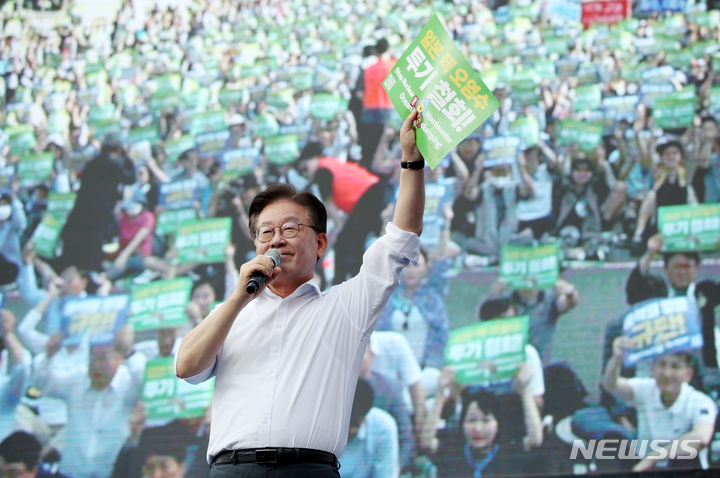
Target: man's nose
277 238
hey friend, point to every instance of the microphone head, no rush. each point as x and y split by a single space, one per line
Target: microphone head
275 255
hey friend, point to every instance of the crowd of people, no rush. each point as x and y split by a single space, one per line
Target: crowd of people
116 135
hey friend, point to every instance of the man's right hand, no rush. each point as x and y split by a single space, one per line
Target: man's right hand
655 244
623 344
262 264
410 151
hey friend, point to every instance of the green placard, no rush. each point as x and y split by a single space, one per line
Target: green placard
545 69
101 129
203 240
146 133
231 96
167 397
207 121
587 73
707 19
530 267
282 149
212 142
559 45
46 235
179 194
690 228
435 75
702 48
170 219
587 97
674 112
525 92
175 147
238 162
35 168
101 113
21 139
160 304
160 102
265 125
195 98
632 72
488 351
679 59
60 204
714 98
280 99
326 105
585 134
527 129
617 108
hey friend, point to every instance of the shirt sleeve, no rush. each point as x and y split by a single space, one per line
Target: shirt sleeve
705 410
206 374
537 382
11 391
27 285
642 389
384 433
33 339
369 291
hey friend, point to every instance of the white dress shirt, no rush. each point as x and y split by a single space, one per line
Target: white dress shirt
658 422
98 420
287 372
374 452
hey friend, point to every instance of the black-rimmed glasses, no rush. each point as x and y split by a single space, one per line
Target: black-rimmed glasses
288 230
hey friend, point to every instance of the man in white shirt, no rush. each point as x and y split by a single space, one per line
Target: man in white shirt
286 359
372 449
15 363
99 404
668 408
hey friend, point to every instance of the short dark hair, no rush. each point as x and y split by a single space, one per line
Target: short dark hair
665 143
203 281
166 440
21 447
187 154
312 150
690 358
487 402
281 191
382 46
363 401
692 255
577 161
495 307
652 288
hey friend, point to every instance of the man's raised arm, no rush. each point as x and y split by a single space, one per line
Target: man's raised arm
411 193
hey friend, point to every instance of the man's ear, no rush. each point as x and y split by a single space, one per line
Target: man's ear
322 244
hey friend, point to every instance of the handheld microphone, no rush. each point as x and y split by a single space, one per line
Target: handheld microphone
258 278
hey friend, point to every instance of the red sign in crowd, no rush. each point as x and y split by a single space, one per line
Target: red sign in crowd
605 11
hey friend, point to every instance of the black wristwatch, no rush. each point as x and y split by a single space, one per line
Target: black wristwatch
417 164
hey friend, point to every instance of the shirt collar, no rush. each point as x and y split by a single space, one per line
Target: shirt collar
312 285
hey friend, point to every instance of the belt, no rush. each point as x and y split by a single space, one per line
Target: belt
275 456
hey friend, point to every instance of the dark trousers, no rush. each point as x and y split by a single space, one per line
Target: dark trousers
369 135
293 470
